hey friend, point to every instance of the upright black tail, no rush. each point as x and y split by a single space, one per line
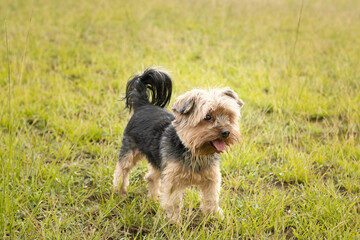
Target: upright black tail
153 86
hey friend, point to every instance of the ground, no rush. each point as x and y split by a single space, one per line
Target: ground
63 70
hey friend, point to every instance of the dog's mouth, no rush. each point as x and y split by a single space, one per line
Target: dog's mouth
218 144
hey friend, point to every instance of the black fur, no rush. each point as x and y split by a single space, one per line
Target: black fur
144 132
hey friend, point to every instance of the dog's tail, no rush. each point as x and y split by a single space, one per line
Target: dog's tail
153 86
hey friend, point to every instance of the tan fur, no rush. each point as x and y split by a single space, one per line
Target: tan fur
176 178
122 170
191 108
153 186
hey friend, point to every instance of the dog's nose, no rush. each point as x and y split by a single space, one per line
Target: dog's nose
225 133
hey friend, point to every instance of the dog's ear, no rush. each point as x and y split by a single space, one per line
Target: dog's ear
184 104
191 107
230 93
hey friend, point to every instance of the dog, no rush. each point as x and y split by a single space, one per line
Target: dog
183 147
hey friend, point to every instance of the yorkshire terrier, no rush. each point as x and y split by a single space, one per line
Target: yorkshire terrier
182 148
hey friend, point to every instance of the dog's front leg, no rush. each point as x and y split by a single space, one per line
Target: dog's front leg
210 195
172 189
171 201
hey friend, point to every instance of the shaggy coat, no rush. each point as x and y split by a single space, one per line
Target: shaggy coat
183 148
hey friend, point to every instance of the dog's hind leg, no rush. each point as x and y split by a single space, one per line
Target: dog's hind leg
127 160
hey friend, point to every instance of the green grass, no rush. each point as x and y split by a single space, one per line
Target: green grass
296 173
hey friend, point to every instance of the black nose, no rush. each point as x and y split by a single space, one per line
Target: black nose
225 133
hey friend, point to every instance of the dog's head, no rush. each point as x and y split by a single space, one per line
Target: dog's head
207 121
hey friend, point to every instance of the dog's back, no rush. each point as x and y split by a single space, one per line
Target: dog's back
144 131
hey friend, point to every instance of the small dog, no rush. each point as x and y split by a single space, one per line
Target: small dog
182 148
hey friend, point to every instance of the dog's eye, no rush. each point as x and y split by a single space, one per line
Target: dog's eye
208 117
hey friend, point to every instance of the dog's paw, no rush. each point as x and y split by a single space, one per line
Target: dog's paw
120 192
153 197
173 216
220 214
214 212
174 219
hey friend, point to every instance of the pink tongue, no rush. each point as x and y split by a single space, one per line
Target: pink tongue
219 145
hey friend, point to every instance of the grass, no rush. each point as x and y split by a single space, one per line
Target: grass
296 174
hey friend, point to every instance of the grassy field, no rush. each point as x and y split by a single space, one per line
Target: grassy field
63 70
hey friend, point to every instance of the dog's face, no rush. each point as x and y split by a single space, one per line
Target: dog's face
207 122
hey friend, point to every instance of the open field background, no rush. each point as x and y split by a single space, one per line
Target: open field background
296 174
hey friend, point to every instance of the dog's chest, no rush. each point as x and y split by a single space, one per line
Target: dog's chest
187 177
197 164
